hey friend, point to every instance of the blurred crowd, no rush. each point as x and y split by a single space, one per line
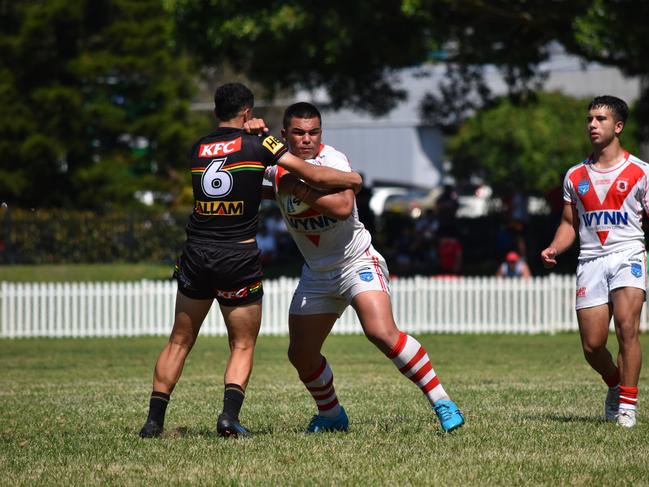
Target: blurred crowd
432 240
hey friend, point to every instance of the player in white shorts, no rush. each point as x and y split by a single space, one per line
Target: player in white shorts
605 197
342 268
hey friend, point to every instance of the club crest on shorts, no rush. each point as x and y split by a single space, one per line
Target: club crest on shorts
366 276
636 269
583 186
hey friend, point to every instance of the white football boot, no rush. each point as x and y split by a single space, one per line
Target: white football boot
626 418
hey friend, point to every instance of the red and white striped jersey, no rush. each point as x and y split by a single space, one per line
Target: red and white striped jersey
609 203
325 243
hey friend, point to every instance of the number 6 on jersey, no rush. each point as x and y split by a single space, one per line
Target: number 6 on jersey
216 183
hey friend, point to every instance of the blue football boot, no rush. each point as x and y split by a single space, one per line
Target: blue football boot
449 415
230 428
319 424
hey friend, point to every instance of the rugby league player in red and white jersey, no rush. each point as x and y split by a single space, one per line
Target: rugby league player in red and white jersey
342 268
605 198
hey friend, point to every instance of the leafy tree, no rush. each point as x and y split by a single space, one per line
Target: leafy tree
349 48
94 101
525 146
354 49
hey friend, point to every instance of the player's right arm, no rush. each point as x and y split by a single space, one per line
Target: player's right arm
320 176
564 236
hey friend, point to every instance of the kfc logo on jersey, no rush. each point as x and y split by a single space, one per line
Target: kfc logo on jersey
220 148
622 185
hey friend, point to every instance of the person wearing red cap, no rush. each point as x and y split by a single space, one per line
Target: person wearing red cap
514 266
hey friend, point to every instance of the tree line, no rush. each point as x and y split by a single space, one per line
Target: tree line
95 94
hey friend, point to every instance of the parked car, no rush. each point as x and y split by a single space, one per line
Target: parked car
473 200
408 203
381 194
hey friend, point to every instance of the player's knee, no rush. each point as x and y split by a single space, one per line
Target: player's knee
293 354
182 340
246 345
628 332
303 360
593 349
383 339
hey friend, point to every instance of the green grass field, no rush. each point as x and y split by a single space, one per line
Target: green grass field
84 272
114 272
70 411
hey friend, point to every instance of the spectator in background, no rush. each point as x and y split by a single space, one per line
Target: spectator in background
447 205
406 250
267 244
514 266
425 246
284 246
449 252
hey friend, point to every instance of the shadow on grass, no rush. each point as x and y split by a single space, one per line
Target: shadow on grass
184 432
389 424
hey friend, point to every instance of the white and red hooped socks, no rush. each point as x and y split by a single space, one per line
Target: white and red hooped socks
320 385
411 359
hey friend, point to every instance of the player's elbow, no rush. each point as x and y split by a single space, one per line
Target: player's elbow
343 210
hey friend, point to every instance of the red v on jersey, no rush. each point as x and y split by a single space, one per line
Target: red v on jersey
314 238
615 196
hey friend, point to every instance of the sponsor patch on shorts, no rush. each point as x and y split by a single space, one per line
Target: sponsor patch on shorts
636 269
366 276
244 292
581 292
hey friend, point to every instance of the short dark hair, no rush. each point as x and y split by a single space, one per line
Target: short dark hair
230 99
618 106
300 109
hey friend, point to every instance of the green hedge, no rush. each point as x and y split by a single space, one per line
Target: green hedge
60 236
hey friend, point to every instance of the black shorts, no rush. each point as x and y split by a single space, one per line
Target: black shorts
228 271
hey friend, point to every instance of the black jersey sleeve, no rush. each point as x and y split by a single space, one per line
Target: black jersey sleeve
271 150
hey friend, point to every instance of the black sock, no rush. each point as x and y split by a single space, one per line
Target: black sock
233 400
158 407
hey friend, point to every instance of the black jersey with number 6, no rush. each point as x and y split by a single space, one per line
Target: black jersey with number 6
227 172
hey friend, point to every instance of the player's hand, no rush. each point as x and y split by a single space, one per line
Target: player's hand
255 126
549 257
287 183
357 185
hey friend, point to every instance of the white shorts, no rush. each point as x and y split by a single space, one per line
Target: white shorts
332 291
597 277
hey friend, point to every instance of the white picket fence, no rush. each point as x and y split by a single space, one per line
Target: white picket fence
420 304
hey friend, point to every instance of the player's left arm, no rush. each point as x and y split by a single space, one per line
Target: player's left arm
321 176
334 204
